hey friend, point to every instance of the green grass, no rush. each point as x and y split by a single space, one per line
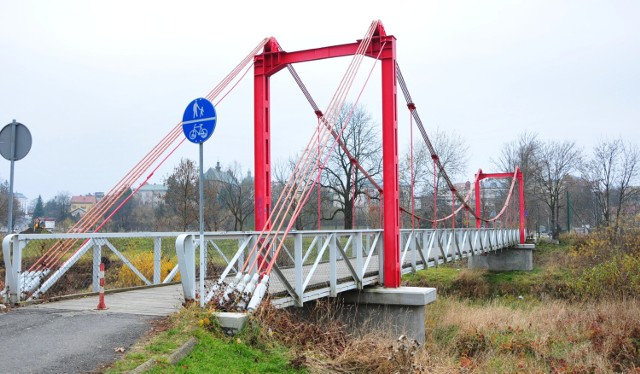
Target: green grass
440 277
214 352
228 355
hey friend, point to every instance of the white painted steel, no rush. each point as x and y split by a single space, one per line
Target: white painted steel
341 260
19 283
322 263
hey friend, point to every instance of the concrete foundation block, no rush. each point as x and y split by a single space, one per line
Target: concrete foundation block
390 311
518 258
232 323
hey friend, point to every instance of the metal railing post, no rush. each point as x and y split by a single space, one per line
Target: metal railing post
380 245
299 280
97 260
157 259
357 247
333 271
185 251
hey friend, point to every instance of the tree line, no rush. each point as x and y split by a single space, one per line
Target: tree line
564 185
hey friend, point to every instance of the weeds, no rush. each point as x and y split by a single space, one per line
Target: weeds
320 331
575 313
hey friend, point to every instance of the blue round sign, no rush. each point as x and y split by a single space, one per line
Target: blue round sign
199 120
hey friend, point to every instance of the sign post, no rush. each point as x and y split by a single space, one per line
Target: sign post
198 123
15 143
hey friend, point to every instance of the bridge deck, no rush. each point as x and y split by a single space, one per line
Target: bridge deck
165 300
153 301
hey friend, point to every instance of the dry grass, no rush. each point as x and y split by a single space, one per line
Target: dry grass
557 336
319 331
462 336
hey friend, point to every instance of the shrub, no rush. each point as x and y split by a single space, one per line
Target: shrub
618 277
471 284
144 263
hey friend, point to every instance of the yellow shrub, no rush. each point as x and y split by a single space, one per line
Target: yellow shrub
618 277
144 263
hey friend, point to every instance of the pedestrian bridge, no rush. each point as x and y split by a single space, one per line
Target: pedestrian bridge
311 265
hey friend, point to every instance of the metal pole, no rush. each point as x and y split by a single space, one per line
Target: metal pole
13 157
568 212
202 245
520 177
478 202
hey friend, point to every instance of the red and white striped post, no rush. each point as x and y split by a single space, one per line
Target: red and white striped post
101 304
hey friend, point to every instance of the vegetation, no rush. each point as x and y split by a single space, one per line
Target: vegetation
576 312
252 351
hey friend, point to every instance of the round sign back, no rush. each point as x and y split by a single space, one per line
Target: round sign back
21 138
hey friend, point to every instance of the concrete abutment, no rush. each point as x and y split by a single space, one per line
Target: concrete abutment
390 311
519 257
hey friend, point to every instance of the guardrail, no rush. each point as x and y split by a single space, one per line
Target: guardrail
80 273
312 264
315 264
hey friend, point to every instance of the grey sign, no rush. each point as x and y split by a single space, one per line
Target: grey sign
15 141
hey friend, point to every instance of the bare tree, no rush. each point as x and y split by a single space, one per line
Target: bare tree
523 152
308 216
124 218
59 207
216 216
610 171
557 160
181 199
452 151
236 194
4 204
341 176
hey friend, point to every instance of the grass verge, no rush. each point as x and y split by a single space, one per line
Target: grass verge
215 352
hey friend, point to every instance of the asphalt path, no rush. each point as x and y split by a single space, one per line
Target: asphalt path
66 341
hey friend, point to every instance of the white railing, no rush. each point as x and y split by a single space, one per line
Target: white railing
311 265
315 264
22 285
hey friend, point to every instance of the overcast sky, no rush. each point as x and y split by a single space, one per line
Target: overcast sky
99 83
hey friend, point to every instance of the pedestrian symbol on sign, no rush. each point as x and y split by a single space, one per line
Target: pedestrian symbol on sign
198 111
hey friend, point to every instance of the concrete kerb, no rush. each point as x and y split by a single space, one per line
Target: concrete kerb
173 358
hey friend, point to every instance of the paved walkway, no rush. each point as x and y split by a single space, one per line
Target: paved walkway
71 336
155 301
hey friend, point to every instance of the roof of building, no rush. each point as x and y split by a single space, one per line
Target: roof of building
217 174
78 211
87 199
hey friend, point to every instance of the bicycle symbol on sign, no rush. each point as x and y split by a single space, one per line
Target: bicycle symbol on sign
198 130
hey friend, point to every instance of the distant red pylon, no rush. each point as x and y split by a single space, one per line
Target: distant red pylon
101 304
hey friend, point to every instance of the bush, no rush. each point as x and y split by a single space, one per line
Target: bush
618 277
471 284
144 263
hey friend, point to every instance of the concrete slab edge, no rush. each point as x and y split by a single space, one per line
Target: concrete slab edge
173 358
183 351
403 296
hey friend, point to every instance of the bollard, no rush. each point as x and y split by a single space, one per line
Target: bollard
101 304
